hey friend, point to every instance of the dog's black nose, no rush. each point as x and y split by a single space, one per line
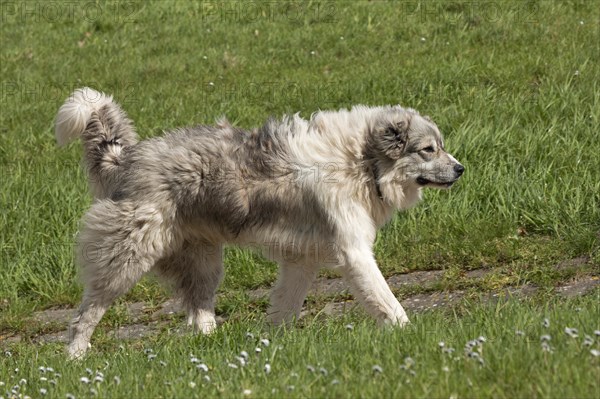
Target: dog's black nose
459 169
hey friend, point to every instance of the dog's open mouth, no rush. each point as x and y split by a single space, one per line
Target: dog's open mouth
426 182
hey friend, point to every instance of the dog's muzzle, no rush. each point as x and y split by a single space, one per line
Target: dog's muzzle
458 171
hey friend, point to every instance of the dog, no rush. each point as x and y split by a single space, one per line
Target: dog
311 193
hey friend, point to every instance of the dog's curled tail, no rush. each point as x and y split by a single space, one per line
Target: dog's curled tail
105 130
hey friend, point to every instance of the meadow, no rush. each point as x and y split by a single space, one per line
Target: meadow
513 87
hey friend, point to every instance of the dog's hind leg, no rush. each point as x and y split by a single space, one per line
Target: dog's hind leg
195 272
119 242
287 297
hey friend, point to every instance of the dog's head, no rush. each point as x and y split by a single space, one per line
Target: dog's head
409 154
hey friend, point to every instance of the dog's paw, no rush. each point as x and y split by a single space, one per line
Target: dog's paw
202 322
77 350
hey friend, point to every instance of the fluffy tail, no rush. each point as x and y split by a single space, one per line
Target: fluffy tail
105 130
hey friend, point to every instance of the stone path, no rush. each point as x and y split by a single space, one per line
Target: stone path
145 320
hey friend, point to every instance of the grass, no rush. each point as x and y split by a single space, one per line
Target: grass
512 85
340 358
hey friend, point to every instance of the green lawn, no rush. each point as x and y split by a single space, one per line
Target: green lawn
512 85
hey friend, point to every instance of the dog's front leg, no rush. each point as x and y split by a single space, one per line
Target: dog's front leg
368 285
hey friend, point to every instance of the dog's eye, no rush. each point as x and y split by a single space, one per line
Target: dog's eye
428 149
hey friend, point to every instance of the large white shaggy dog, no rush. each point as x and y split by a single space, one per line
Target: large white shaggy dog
312 193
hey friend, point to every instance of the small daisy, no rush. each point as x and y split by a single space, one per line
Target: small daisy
163 363
265 342
192 384
70 396
244 354
43 391
22 381
206 378
571 332
249 335
595 352
349 327
310 368
597 333
241 360
247 392
545 338
588 341
257 350
151 356
323 371
85 380
43 379
546 323
117 380
202 367
335 382
519 333
232 365
267 368
377 369
195 360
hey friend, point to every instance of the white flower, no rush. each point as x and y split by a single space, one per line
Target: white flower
231 365
257 350
42 369
22 381
588 341
312 53
206 378
441 344
349 327
265 342
151 356
43 391
423 40
247 392
195 360
571 332
597 333
377 369
249 335
117 380
211 84
481 339
546 347
50 369
70 396
192 384
53 382
310 368
8 353
98 379
148 350
335 382
241 360
89 371
244 354
546 323
323 371
163 363
595 352
43 379
519 333
267 368
85 380
202 367
445 369
545 338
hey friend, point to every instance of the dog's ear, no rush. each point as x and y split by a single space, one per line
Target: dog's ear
395 137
